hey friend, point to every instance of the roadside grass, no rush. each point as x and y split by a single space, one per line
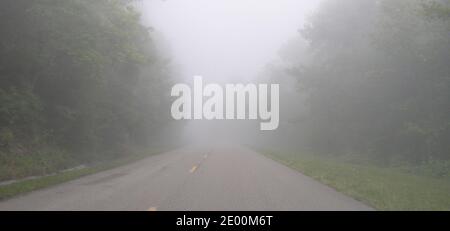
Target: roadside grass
43 161
20 187
382 188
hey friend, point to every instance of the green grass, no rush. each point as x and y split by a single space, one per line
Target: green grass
43 161
382 188
14 189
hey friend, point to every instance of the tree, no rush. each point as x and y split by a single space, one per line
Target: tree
78 74
376 77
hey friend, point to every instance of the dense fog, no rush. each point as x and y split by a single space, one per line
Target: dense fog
366 78
225 42
351 84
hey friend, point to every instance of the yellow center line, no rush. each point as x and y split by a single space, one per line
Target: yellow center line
193 169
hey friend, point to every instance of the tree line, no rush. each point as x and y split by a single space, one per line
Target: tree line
375 79
80 76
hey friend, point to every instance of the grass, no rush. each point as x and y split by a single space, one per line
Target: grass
14 189
41 162
382 188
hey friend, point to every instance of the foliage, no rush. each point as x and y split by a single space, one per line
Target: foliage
376 79
80 75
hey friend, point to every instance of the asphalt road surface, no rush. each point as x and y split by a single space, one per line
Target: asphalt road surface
191 179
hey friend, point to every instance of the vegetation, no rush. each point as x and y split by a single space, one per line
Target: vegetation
80 81
374 81
372 101
381 187
28 185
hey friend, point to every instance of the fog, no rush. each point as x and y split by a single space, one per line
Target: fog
225 42
329 58
353 93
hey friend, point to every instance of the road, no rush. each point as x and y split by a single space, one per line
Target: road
219 178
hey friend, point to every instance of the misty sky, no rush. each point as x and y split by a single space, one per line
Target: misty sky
225 40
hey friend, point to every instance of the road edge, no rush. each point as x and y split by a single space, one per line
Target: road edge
26 186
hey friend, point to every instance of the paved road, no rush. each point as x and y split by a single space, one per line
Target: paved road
219 178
